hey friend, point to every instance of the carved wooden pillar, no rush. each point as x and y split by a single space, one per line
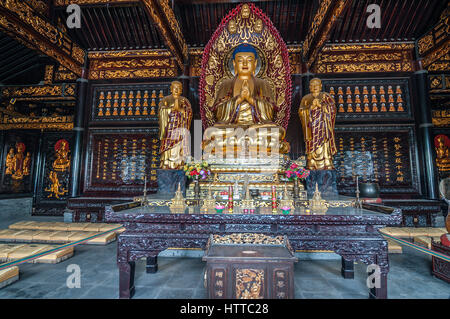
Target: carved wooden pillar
425 137
79 128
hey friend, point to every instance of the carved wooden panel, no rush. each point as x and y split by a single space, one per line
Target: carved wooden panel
382 154
119 159
52 185
365 99
17 165
127 102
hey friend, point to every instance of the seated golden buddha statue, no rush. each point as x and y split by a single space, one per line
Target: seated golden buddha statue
62 161
246 102
442 154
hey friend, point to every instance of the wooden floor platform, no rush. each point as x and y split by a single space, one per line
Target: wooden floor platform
419 235
12 252
54 236
91 227
8 276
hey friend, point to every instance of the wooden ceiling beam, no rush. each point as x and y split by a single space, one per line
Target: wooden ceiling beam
326 17
163 16
22 23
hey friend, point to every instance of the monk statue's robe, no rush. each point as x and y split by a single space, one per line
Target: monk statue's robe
175 115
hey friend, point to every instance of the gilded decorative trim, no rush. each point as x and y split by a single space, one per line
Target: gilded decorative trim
48 76
37 126
64 3
131 65
39 92
63 74
54 122
436 36
378 57
128 54
441 121
19 20
435 55
368 46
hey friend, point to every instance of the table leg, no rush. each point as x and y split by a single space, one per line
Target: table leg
347 269
152 264
126 280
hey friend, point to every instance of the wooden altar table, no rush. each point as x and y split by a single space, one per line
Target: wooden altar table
351 233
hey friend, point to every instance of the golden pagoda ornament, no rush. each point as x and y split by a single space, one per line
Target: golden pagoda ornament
287 200
178 205
317 205
209 203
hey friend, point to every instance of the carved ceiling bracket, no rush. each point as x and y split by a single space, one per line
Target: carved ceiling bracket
327 15
23 23
163 16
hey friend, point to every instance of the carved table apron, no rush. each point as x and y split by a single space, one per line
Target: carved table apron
353 237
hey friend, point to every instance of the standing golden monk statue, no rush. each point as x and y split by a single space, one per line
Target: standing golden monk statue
317 113
175 115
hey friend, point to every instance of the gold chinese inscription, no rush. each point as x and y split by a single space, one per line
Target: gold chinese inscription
382 157
249 283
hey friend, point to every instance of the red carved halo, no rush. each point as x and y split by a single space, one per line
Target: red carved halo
22 145
446 138
58 145
284 53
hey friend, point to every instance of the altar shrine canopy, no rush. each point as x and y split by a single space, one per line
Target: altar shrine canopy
295 120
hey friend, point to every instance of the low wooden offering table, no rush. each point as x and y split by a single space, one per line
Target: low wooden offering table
249 266
350 232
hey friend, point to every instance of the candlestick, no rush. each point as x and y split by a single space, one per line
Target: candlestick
274 199
230 199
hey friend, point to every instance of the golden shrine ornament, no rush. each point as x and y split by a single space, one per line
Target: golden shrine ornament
246 24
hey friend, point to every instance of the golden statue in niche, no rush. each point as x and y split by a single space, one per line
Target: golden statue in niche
26 164
10 162
18 165
175 115
62 161
442 153
317 113
246 101
54 188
